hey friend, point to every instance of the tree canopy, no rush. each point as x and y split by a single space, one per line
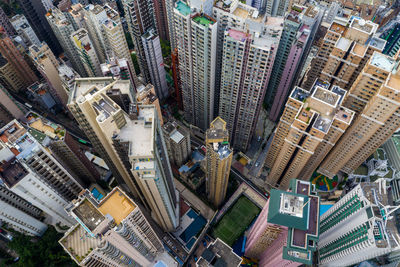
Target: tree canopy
43 251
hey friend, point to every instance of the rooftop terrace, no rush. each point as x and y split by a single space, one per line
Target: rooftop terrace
203 20
44 126
382 61
183 8
362 25
116 204
88 214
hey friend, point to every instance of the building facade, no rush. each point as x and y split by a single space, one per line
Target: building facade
177 140
218 161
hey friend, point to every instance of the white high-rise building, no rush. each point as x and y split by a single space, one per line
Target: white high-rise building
86 52
24 30
31 172
196 41
63 29
155 63
18 213
359 227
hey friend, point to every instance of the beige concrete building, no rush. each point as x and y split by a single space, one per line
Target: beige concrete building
113 232
309 128
147 96
218 161
376 95
343 53
47 64
129 138
177 139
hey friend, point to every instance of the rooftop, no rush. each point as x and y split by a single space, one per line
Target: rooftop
343 43
323 124
344 114
219 254
217 130
382 61
44 126
299 94
88 214
141 143
394 81
222 149
362 25
117 205
338 28
326 96
238 35
183 8
203 20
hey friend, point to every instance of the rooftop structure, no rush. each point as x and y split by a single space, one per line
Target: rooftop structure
218 254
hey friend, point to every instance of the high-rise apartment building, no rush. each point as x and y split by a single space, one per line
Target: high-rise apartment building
310 126
247 61
177 139
142 26
20 67
47 64
35 12
105 110
149 163
343 52
90 114
196 42
30 171
6 24
218 161
292 52
9 108
292 55
63 147
112 232
160 14
87 54
146 95
155 63
374 96
9 77
67 76
24 30
287 230
63 29
359 227
118 68
104 27
19 214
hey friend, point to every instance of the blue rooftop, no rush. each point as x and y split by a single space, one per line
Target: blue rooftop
183 8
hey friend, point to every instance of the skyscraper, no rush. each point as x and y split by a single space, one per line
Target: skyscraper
309 128
63 147
177 140
196 41
111 232
35 12
19 214
374 95
344 51
142 26
218 161
6 24
32 172
155 63
24 30
63 29
20 67
247 62
105 110
287 230
9 108
47 64
358 227
87 53
298 34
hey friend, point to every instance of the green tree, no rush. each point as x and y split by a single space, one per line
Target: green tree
44 251
165 48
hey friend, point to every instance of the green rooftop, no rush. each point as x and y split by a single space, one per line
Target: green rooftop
202 20
293 212
183 8
37 135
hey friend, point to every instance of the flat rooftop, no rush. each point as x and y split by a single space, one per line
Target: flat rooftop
12 172
338 28
78 243
140 143
44 126
363 25
343 43
299 94
326 96
238 35
203 20
88 214
183 8
394 81
84 86
382 61
116 204
344 114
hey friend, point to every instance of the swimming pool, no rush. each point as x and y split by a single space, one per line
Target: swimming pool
97 195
